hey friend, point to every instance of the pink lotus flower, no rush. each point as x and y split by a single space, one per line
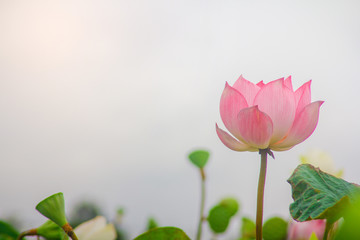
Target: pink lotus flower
303 230
262 116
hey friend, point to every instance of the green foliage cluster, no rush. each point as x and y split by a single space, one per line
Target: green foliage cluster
164 233
274 228
316 194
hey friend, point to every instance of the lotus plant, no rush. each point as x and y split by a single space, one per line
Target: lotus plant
264 117
303 230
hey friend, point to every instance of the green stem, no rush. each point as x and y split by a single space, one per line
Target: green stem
202 205
69 231
31 232
260 193
73 236
328 228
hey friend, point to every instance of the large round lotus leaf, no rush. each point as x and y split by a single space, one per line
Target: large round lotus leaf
199 158
53 208
163 233
318 195
275 229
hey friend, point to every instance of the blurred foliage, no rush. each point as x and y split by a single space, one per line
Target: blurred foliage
220 215
199 158
151 224
231 204
275 228
7 231
248 229
6 237
350 227
120 212
164 233
121 233
83 212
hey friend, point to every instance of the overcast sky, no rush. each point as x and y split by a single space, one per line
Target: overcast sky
103 100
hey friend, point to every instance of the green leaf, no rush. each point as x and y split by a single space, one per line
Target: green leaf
199 158
6 237
231 204
152 223
7 230
350 228
51 231
164 233
318 195
220 215
53 208
275 229
248 229
219 218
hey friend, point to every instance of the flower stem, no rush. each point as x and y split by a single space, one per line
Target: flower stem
69 231
31 232
202 205
260 194
328 229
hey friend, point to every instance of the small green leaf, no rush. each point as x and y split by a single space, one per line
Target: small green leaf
53 208
152 223
248 229
7 230
51 231
275 229
231 204
163 233
318 195
220 215
199 158
219 218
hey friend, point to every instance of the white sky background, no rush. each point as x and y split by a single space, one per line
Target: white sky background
104 100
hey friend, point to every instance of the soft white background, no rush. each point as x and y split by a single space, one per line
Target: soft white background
103 100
